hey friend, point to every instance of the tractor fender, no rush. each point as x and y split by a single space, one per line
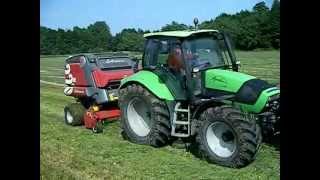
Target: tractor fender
151 82
203 106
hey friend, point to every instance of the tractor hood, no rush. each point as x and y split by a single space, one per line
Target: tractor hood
225 80
250 93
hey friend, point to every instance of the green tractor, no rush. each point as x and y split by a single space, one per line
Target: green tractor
189 88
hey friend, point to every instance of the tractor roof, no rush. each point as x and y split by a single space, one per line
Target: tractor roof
179 34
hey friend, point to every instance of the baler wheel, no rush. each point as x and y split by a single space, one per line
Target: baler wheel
98 128
73 114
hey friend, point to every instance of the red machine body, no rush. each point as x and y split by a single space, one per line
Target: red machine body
91 117
93 79
77 73
103 78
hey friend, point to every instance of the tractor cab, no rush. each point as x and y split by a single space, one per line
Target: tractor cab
180 57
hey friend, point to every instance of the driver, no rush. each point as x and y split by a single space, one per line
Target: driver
175 59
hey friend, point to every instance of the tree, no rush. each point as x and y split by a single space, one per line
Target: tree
128 40
261 8
258 28
261 17
44 41
100 36
250 29
48 41
174 26
275 24
247 38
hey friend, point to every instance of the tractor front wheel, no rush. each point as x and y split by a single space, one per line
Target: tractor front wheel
73 114
228 137
144 118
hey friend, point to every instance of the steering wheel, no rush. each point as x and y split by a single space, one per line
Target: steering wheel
202 64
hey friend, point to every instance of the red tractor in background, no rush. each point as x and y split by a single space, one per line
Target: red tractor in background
93 79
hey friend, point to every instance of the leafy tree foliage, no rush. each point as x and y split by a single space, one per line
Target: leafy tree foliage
258 28
129 40
174 26
275 24
95 38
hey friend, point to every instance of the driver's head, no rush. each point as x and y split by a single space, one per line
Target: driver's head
177 51
175 58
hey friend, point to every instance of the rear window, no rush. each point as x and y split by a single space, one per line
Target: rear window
115 63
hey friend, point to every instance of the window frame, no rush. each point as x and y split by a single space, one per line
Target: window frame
146 62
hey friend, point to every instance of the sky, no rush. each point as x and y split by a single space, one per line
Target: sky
144 14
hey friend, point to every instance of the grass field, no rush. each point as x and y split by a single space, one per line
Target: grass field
76 153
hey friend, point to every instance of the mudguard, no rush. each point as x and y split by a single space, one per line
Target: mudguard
150 81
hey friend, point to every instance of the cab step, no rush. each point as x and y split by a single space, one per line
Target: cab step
181 114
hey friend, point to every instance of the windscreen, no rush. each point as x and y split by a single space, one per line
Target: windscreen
205 52
115 63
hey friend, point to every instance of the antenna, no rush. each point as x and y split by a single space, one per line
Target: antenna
196 21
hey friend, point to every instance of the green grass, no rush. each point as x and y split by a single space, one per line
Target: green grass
262 64
76 153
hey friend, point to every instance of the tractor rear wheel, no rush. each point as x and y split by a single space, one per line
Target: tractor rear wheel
228 137
144 118
73 114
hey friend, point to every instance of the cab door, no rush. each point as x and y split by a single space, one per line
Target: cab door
161 57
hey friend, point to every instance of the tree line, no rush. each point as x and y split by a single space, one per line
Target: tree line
258 28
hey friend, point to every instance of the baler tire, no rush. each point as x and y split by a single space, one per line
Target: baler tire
98 128
160 129
76 111
247 137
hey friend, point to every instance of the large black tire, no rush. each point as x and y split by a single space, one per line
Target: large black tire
157 114
73 114
246 137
